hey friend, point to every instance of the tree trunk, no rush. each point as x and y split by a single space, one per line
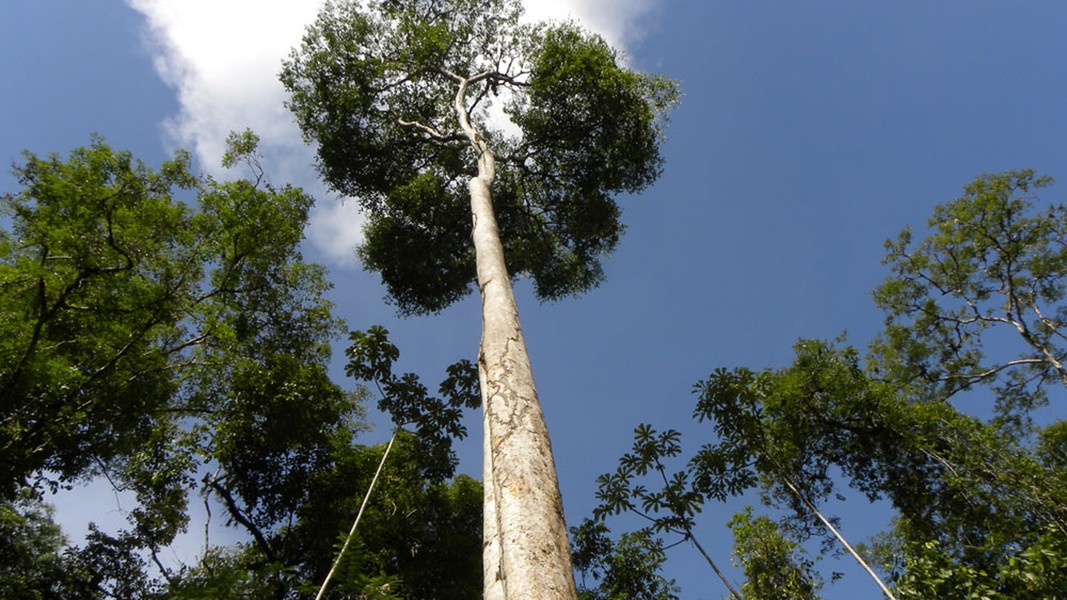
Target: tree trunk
526 552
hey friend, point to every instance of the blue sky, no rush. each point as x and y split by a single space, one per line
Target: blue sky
808 133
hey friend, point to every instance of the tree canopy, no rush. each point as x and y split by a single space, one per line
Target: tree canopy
375 86
994 266
126 308
165 344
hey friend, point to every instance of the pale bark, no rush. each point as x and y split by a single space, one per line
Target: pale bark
714 567
840 538
526 554
359 516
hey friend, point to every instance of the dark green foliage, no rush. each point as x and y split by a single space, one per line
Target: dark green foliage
96 273
1034 572
424 535
588 123
146 337
436 421
990 274
32 563
418 539
955 479
627 569
427 226
228 573
374 86
975 503
115 567
794 424
677 500
156 342
642 485
129 310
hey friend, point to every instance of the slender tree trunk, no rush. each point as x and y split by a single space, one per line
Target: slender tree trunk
526 554
714 567
837 534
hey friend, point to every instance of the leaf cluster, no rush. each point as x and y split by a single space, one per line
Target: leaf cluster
773 564
436 421
624 569
675 497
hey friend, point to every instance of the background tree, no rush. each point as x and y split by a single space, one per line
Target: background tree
397 96
153 342
419 538
421 534
624 569
993 265
981 502
146 338
775 567
32 560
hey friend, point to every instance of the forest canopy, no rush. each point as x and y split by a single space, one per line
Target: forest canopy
163 334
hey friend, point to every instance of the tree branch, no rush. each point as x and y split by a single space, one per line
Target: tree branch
359 515
840 538
433 132
238 516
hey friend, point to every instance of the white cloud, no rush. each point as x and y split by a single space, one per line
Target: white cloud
335 232
222 57
618 21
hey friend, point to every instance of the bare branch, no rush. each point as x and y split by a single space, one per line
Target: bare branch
431 131
237 515
973 377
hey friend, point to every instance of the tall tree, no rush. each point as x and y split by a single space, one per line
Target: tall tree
398 97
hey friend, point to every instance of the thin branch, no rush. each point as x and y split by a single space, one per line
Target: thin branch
973 377
359 515
237 515
678 543
486 161
714 567
1052 324
837 534
106 472
689 535
207 521
430 130
171 579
